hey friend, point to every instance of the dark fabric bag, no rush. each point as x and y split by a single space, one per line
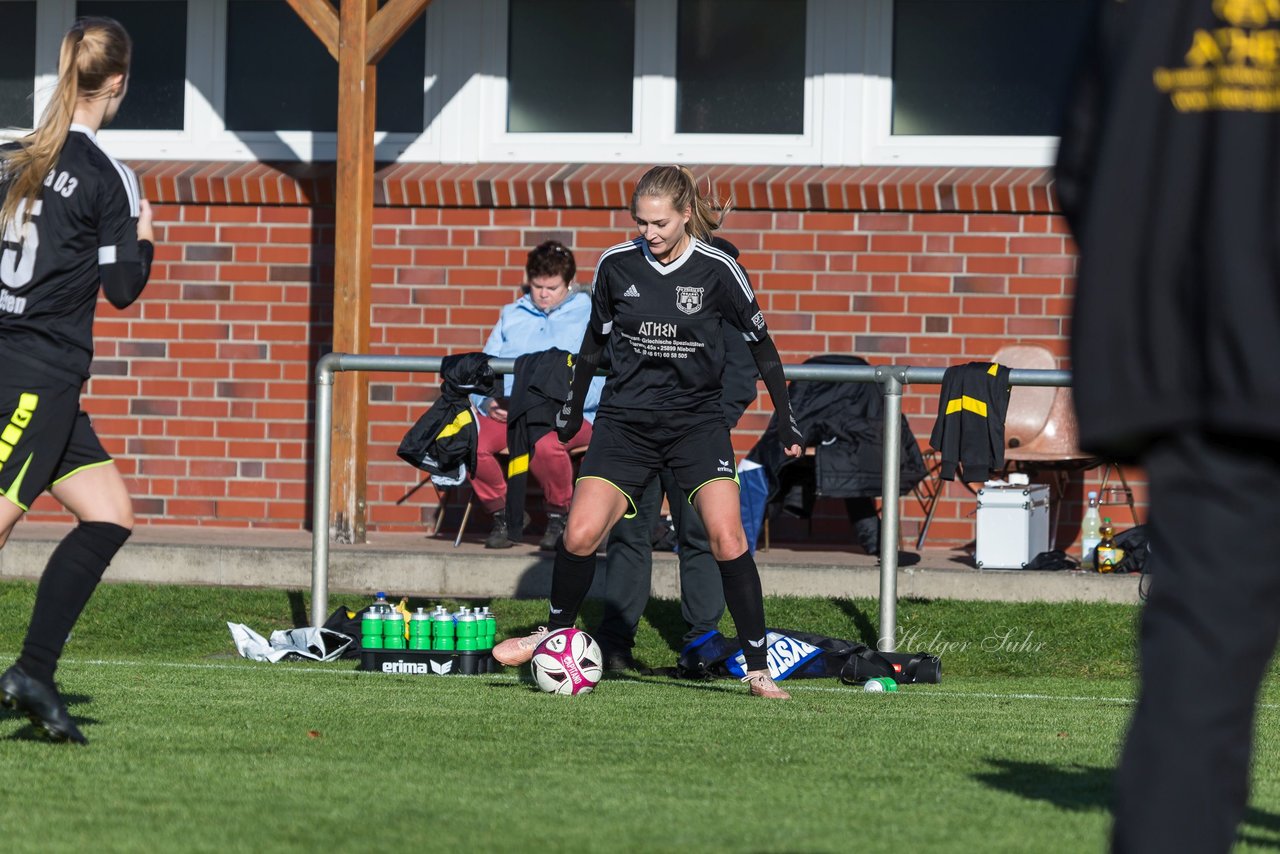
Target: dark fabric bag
1052 560
905 668
798 655
347 622
1136 547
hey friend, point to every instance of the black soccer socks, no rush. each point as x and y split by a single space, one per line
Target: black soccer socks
72 574
745 598
570 581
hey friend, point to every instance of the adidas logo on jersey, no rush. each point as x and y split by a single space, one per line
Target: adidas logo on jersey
631 292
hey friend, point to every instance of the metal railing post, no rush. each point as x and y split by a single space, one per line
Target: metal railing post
320 496
890 379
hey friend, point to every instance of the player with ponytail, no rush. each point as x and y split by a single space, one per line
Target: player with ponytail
661 303
73 222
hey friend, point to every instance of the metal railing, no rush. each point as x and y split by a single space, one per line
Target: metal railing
891 379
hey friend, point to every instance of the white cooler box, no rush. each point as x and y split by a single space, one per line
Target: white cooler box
1013 525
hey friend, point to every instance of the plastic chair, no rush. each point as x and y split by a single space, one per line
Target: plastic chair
1028 430
1041 432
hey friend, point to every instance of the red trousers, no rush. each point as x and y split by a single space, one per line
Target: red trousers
550 466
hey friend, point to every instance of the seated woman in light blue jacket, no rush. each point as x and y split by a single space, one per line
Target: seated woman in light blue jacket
552 313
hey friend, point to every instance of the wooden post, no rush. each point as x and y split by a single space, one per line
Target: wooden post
357 35
357 96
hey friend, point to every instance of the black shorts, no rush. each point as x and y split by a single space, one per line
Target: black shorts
45 437
628 452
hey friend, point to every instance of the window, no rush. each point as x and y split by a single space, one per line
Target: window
158 68
740 67
267 41
648 81
965 82
983 67
17 64
569 66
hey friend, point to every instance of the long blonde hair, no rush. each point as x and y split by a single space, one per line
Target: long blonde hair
677 185
93 50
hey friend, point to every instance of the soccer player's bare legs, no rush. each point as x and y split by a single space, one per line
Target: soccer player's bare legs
717 504
96 494
597 506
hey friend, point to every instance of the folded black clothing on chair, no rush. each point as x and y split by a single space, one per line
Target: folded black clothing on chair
969 431
540 387
443 440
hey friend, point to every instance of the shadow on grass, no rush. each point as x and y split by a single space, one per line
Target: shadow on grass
1070 787
867 632
32 733
666 619
298 610
1081 788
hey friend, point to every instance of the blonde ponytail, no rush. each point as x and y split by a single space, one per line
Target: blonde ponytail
93 50
678 185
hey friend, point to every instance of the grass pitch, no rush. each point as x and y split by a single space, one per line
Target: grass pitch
194 749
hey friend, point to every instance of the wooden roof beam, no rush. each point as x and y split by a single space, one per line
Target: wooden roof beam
322 19
388 24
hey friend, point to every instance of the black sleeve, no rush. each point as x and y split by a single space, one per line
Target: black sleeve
124 261
123 281
770 365
738 383
585 364
590 355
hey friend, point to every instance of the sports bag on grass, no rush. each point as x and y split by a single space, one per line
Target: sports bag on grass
795 655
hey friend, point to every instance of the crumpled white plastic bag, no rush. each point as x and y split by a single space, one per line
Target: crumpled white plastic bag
310 642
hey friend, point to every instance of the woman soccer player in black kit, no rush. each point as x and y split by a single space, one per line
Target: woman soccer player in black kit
72 219
658 301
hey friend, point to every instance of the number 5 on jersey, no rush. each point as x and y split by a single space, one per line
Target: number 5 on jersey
18 263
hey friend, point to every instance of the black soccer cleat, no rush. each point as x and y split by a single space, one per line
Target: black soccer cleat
617 659
41 704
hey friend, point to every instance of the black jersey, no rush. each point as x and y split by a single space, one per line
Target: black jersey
664 323
83 231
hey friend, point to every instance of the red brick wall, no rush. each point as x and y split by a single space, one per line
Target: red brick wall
203 388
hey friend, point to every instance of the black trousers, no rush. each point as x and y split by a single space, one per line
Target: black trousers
1208 632
629 568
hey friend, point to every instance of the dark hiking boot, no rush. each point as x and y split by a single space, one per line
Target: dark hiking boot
498 537
617 660
555 528
40 703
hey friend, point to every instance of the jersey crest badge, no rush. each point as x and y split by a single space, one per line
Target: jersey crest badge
689 300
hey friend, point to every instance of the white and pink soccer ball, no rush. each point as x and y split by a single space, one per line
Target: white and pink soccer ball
568 661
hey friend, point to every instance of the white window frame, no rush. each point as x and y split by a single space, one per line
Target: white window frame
205 136
206 67
880 147
848 95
